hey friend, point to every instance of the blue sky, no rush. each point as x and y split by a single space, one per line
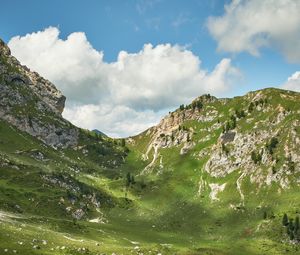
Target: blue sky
114 26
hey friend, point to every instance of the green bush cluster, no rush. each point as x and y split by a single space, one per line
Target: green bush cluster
231 124
240 114
292 227
194 105
272 145
129 180
256 103
256 157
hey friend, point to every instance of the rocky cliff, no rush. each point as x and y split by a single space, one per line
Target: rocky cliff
32 103
256 136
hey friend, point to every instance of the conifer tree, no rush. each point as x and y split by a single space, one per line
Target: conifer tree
297 225
285 220
123 142
128 179
251 107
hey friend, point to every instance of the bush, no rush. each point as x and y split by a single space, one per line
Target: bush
292 229
130 180
225 149
250 107
272 145
197 104
123 142
285 220
256 157
240 114
291 164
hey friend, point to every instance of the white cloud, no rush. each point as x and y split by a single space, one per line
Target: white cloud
128 95
293 82
72 64
249 25
116 121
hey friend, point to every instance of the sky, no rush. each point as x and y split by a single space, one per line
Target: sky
124 64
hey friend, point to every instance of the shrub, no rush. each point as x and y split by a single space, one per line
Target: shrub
250 107
256 157
285 220
272 145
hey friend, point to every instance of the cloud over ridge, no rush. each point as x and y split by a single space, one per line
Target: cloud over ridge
126 96
293 82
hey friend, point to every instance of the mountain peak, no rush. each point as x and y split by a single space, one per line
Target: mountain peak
12 71
32 103
4 49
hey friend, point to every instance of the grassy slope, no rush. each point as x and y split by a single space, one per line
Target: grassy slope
161 213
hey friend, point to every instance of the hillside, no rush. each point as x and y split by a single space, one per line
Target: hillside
213 177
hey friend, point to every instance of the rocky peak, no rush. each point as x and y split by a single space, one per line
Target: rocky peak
206 98
4 49
13 71
255 135
32 103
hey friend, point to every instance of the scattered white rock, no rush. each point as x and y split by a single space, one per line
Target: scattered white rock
215 189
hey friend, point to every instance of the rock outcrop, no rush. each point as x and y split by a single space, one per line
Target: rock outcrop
32 103
233 136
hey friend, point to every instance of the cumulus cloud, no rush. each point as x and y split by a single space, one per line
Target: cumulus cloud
72 64
117 121
293 82
249 25
126 96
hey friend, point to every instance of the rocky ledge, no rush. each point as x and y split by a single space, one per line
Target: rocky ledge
32 103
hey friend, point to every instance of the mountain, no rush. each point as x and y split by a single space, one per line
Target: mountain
217 176
98 132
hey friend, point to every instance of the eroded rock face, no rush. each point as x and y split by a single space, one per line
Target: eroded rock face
32 103
242 150
14 72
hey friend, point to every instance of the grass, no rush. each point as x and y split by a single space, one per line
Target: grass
161 212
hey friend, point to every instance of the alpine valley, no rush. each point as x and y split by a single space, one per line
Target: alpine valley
219 176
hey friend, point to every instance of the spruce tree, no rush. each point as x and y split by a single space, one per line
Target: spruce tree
297 224
251 107
128 179
297 228
292 236
123 142
285 220
188 139
291 229
132 179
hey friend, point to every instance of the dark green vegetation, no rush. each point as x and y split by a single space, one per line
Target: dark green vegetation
217 177
292 227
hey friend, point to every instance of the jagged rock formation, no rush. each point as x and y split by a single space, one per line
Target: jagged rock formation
32 103
236 135
171 131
